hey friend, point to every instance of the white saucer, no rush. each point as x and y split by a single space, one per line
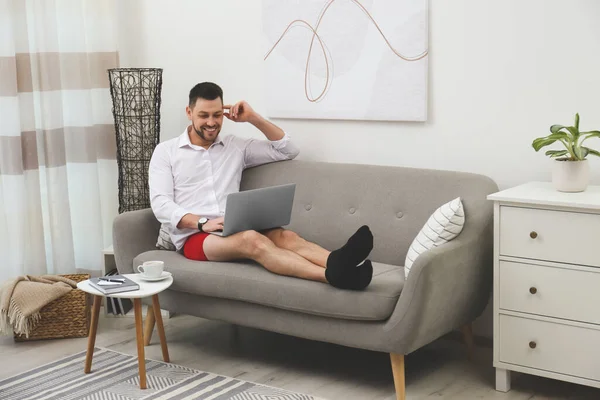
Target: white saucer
164 275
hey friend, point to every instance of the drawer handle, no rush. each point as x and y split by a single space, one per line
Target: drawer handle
533 234
532 290
532 345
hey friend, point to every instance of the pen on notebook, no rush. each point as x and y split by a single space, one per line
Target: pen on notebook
121 280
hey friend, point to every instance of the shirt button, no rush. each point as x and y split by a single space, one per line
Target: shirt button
307 207
352 210
399 214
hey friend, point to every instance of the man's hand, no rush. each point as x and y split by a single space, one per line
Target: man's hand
213 225
240 112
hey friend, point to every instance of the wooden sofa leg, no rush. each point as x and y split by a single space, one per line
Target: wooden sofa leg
467 332
149 325
398 371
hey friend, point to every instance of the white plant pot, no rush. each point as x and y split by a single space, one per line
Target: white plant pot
570 176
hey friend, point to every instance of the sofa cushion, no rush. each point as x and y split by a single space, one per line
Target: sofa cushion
164 241
248 281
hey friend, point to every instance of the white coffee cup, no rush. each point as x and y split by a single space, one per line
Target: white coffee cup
151 269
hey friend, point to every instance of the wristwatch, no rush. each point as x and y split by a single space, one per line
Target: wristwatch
201 223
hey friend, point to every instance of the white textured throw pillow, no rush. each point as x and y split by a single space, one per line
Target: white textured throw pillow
164 239
444 225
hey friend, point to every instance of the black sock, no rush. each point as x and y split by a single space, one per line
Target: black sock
356 249
354 278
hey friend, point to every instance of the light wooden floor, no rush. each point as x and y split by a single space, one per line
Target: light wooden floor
438 371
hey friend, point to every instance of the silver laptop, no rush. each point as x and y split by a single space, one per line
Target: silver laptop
258 209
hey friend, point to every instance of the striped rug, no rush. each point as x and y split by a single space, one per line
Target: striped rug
114 376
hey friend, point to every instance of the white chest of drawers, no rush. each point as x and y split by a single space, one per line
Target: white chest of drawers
547 284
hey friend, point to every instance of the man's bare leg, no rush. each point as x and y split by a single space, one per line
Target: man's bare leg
290 240
346 267
342 269
252 245
351 254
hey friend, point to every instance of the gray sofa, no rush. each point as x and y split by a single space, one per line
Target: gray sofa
447 289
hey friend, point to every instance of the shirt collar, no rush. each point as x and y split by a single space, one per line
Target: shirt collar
184 139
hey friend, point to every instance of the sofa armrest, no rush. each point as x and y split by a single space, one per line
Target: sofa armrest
448 287
134 232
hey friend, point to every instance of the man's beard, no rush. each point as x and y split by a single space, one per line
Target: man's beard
201 133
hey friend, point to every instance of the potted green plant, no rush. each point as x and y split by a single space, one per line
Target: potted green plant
571 171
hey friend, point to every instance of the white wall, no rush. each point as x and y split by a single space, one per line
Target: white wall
500 73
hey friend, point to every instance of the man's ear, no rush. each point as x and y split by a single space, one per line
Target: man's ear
188 112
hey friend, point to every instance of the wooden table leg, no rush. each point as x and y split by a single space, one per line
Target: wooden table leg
160 328
137 306
92 334
148 326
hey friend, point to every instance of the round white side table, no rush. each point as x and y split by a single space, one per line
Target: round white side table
146 289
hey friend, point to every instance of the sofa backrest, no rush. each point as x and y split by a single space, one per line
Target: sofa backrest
333 200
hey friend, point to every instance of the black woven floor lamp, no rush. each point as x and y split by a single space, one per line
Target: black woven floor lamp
136 99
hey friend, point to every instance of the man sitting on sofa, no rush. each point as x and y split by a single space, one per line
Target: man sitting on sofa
191 175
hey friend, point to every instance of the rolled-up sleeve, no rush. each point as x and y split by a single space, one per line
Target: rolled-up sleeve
160 182
257 152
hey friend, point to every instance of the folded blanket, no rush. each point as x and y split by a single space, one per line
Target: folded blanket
22 299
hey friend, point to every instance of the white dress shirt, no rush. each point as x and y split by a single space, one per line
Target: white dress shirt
185 178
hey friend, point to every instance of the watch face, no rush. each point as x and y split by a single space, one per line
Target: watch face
203 220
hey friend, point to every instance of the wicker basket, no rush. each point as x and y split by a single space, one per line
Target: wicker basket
65 317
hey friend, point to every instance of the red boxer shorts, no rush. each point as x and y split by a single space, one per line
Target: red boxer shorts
194 247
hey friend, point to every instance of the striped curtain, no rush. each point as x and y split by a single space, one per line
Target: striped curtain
58 174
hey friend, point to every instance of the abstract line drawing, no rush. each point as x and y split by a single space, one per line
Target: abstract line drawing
316 35
372 51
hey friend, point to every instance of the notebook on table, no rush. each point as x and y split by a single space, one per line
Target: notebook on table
113 284
117 306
